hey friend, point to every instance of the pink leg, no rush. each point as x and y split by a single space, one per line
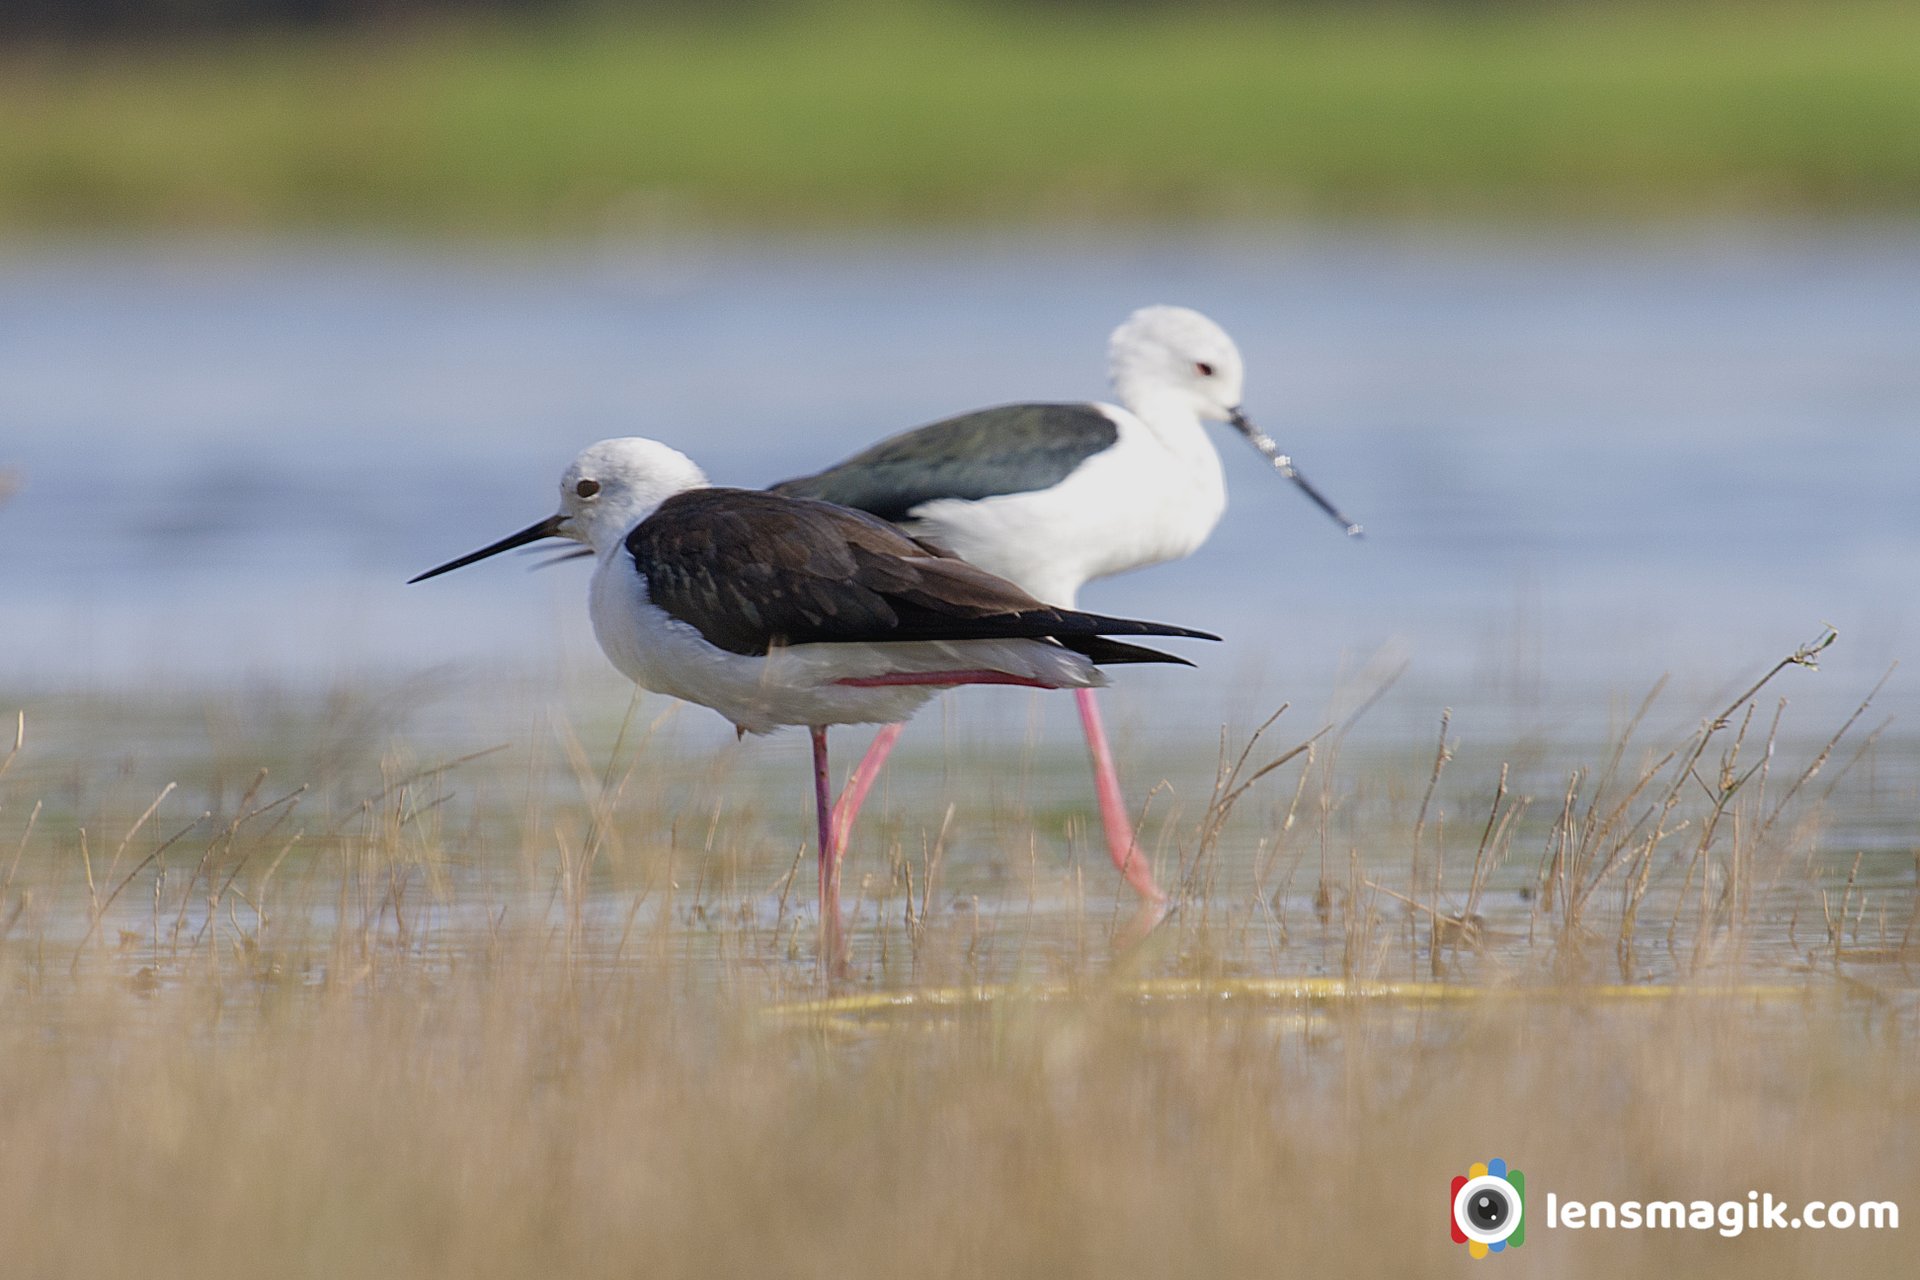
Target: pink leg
847 807
832 944
1132 863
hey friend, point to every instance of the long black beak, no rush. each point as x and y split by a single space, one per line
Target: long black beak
1284 465
548 528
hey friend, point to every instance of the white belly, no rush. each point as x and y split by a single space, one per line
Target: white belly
798 685
1143 501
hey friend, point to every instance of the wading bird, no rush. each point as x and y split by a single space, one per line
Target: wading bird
780 611
1051 496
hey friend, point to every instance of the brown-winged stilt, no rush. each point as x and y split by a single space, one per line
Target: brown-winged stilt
778 611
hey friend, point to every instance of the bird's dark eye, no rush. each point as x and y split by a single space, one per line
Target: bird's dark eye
1202 368
587 488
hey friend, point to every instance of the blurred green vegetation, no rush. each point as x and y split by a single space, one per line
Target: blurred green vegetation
919 112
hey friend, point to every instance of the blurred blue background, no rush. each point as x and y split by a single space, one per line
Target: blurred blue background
1581 461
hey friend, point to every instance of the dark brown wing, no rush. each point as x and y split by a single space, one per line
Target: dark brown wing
751 570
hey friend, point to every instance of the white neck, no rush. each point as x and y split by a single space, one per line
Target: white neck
1169 414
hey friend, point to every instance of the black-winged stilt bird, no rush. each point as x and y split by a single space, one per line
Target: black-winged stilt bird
1051 496
780 611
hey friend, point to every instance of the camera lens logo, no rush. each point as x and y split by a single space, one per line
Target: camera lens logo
1489 1208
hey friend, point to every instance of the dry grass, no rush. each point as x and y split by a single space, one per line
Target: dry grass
531 1012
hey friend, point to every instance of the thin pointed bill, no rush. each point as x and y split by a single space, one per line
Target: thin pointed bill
548 528
1284 465
561 557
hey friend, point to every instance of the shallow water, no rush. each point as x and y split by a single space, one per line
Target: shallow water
1583 460
371 849
591 954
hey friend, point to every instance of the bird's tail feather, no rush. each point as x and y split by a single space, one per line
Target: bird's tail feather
1103 652
1075 622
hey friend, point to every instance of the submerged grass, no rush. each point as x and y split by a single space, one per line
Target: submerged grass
554 1009
826 114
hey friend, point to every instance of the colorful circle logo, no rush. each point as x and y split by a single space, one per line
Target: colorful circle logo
1489 1208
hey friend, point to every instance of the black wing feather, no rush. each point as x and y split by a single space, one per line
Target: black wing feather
1102 652
1016 448
751 571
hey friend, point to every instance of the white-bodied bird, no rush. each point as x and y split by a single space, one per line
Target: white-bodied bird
1051 496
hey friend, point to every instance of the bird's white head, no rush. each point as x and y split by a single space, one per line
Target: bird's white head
1175 359
616 484
611 487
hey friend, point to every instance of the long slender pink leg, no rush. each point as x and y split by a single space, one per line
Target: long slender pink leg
847 807
1127 856
832 942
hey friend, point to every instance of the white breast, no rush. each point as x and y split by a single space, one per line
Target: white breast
1155 495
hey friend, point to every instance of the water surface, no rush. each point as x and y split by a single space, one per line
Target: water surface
1583 460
